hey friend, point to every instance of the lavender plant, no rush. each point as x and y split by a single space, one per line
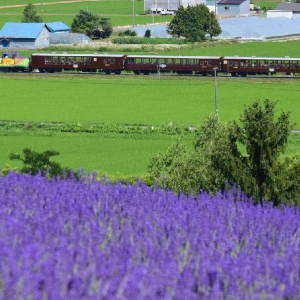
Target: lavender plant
63 239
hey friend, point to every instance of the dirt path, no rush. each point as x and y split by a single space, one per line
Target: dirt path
50 3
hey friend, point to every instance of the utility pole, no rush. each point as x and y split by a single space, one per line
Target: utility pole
133 21
216 91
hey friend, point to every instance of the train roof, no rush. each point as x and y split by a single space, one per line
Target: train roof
173 57
78 55
261 58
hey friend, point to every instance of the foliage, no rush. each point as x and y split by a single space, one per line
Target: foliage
127 32
30 15
68 240
34 162
147 33
144 40
193 23
105 31
214 28
216 158
85 22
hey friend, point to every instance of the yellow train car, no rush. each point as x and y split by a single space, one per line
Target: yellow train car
11 61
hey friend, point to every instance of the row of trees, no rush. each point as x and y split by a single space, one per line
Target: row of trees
194 23
245 153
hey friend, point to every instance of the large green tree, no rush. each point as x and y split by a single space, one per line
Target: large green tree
30 15
85 22
216 157
214 28
193 23
91 25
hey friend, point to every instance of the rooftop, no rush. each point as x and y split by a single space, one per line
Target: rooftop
288 7
21 30
231 2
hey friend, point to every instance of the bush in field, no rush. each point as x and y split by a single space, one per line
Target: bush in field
127 32
216 158
92 240
34 162
148 33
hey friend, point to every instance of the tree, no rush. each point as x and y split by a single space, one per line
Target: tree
192 23
216 158
33 162
148 33
214 27
85 22
264 138
30 15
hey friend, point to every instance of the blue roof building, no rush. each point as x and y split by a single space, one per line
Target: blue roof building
24 35
58 27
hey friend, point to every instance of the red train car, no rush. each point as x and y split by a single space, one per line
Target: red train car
46 62
178 64
244 66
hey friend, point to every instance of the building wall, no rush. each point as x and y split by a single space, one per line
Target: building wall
20 44
169 4
227 9
279 14
43 39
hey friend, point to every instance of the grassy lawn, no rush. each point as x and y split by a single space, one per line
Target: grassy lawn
123 7
130 100
136 100
111 154
115 20
265 49
268 4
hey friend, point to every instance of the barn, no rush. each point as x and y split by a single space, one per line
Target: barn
24 35
286 10
158 5
233 7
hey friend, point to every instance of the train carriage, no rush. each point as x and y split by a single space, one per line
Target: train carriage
178 64
45 62
260 65
12 62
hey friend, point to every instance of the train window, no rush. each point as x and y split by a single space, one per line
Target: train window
112 61
236 64
201 63
105 61
95 58
230 63
209 62
48 60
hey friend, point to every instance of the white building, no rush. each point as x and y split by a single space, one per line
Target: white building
287 10
158 5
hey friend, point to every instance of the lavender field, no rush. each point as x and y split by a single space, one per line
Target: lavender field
92 240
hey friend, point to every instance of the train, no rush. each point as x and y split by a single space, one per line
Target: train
147 64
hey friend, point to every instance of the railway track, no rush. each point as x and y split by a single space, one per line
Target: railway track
152 75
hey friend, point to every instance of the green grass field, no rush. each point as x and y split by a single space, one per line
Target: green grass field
115 20
110 154
123 7
136 100
129 100
264 49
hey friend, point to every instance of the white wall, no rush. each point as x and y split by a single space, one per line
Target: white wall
170 4
279 13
